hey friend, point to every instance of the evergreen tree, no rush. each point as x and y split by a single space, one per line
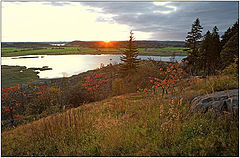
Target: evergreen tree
205 52
230 51
129 57
229 33
215 50
229 45
235 29
209 53
226 36
193 43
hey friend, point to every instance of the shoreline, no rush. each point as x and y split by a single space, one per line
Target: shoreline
71 80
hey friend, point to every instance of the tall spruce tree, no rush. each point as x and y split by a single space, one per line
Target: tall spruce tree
205 53
215 51
230 45
230 51
229 33
193 40
129 57
225 37
209 53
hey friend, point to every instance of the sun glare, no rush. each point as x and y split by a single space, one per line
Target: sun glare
106 41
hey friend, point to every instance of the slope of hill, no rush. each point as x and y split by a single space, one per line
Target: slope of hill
128 125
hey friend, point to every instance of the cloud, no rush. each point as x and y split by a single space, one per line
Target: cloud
160 3
167 20
57 3
25 21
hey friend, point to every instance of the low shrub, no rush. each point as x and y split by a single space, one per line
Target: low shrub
76 95
212 84
220 83
12 103
98 84
170 79
41 98
232 69
135 80
118 86
19 102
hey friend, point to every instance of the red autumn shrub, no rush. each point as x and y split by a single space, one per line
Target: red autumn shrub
97 84
170 75
12 101
40 98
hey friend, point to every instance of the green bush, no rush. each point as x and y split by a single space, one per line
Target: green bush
42 98
75 96
212 84
118 86
232 69
220 83
136 80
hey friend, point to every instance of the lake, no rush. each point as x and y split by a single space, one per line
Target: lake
68 65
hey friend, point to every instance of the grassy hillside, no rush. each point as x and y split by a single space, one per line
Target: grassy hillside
131 125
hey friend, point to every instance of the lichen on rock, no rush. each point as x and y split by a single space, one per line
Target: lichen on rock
223 102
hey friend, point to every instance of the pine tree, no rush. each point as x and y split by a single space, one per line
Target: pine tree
129 57
230 51
209 53
226 36
205 52
193 43
215 50
229 45
229 33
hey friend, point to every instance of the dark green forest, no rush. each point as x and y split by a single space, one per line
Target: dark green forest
209 53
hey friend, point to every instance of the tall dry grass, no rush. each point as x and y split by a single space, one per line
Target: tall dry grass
130 125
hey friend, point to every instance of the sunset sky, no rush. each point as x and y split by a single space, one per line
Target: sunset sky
68 21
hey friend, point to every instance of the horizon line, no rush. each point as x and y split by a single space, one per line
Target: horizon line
94 41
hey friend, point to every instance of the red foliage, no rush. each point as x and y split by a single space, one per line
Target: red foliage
11 101
170 76
143 91
95 83
12 98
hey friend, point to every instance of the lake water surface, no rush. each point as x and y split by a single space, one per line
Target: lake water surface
68 65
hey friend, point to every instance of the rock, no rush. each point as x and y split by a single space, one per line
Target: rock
197 77
219 102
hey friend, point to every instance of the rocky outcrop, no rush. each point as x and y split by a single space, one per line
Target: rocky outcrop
223 102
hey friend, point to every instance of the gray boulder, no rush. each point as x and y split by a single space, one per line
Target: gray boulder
223 102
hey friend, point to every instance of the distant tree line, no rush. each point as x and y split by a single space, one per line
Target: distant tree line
207 54
124 44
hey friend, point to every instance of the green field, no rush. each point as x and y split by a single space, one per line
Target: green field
12 51
13 75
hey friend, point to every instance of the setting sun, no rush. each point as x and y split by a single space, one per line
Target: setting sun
106 41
